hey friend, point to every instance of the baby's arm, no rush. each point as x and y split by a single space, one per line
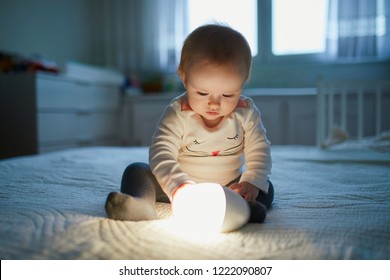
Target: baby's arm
257 152
163 153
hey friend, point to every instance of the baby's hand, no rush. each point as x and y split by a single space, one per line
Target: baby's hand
248 191
179 188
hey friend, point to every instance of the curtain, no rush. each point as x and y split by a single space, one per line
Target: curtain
359 29
141 35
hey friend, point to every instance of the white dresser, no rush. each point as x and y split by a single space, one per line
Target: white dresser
44 112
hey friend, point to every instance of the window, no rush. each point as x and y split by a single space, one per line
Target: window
299 26
229 12
329 30
280 31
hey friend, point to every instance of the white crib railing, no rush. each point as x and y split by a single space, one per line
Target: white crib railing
328 92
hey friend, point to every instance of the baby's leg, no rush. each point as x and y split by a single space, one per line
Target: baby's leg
258 212
258 208
268 198
137 199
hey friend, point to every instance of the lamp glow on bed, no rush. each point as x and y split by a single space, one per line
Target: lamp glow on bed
209 207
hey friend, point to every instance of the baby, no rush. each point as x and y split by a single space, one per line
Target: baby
211 133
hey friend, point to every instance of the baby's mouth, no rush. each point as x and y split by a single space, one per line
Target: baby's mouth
212 113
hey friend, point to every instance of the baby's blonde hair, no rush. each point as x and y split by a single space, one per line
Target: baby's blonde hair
219 44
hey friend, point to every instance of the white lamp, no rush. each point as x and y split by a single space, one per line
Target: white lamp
210 207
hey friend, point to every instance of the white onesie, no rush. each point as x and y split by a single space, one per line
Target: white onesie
183 149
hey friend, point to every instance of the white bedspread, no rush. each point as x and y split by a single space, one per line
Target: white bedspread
332 204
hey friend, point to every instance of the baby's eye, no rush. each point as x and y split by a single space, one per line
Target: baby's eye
202 93
228 95
233 138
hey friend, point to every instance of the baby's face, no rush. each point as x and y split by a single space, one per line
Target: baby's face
213 90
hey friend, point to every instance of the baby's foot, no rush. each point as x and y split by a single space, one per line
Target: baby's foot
258 212
120 206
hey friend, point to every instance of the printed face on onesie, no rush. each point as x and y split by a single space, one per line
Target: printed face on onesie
205 143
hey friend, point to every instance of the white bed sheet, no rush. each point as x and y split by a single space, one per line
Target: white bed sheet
329 204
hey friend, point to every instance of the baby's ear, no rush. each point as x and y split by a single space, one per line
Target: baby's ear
182 76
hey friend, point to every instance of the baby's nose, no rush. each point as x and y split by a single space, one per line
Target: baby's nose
214 102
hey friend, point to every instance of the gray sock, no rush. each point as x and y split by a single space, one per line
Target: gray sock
120 206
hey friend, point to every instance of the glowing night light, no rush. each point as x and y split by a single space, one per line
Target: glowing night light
210 207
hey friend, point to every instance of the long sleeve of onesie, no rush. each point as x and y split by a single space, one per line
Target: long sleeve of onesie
257 153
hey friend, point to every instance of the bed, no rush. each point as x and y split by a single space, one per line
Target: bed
329 204
332 201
